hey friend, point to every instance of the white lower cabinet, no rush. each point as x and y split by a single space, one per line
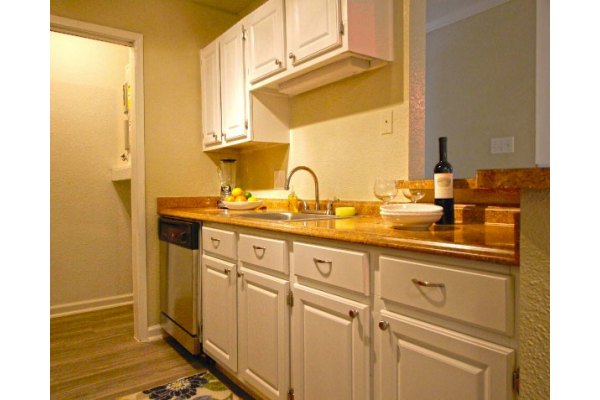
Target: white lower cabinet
421 361
292 320
330 346
263 333
219 311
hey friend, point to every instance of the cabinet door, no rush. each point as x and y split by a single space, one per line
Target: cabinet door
420 361
219 310
233 89
330 346
265 41
264 333
211 94
313 28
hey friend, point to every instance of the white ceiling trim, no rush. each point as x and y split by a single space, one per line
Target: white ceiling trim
463 13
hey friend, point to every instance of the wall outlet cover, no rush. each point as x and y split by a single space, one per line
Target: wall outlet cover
502 145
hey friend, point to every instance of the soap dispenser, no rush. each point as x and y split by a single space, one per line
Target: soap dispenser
292 201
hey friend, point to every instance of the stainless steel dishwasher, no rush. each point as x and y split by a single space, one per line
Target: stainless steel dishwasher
180 286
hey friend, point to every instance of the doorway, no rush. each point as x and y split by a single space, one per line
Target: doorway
132 198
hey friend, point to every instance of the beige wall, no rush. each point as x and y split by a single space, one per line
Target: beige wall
90 259
335 129
174 32
534 320
480 84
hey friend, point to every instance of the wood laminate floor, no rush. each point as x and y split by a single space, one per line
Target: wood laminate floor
94 356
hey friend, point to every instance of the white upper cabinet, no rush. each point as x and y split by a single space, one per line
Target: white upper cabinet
329 40
233 85
211 94
314 27
265 41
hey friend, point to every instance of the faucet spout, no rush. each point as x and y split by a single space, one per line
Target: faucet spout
310 171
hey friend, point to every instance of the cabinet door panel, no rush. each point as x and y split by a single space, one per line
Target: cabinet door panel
313 28
265 44
219 310
211 94
264 333
420 361
330 353
233 89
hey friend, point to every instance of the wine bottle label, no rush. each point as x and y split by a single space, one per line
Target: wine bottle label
443 186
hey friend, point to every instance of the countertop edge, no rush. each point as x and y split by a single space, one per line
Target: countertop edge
507 257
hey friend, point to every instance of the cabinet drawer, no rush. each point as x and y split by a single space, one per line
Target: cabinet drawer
479 298
219 242
264 252
338 267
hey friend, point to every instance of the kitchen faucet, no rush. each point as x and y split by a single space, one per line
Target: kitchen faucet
310 171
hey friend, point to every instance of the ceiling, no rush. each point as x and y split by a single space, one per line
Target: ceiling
230 6
439 12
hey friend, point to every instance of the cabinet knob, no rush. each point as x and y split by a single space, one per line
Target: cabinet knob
383 325
240 274
353 313
291 56
226 271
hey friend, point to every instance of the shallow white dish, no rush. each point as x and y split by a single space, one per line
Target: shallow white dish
409 215
242 205
412 208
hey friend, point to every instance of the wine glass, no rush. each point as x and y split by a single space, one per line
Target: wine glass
385 189
414 192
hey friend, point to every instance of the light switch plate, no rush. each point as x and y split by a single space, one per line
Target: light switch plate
501 145
386 122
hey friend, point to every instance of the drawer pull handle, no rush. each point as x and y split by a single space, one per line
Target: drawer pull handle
226 271
255 247
353 313
383 325
321 261
427 284
215 241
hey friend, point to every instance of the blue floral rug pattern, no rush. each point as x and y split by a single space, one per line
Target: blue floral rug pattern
202 386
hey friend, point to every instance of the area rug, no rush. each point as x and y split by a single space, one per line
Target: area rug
202 386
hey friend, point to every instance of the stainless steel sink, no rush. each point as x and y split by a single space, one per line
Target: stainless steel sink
286 216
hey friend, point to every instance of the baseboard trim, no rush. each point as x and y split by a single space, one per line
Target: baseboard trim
81 307
155 333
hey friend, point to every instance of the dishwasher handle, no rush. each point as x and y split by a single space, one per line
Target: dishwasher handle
179 232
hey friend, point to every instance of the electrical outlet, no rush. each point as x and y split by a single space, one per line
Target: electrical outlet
502 145
386 123
278 179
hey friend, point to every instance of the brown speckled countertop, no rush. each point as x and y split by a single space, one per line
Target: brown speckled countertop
487 226
497 243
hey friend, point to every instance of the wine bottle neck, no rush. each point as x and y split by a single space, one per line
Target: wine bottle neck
443 151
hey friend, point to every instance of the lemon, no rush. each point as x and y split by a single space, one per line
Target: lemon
252 198
241 198
229 198
237 191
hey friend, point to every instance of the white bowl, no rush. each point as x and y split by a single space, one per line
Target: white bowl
242 205
409 215
409 208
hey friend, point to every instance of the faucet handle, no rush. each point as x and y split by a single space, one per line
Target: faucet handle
329 210
304 205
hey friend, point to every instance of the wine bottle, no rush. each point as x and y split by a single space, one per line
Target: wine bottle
443 181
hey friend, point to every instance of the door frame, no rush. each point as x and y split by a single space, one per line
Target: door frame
138 163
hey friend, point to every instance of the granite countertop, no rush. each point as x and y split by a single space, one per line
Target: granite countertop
496 243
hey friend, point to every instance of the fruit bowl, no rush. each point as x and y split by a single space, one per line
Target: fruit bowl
242 205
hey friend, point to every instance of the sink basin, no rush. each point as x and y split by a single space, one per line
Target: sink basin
286 216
